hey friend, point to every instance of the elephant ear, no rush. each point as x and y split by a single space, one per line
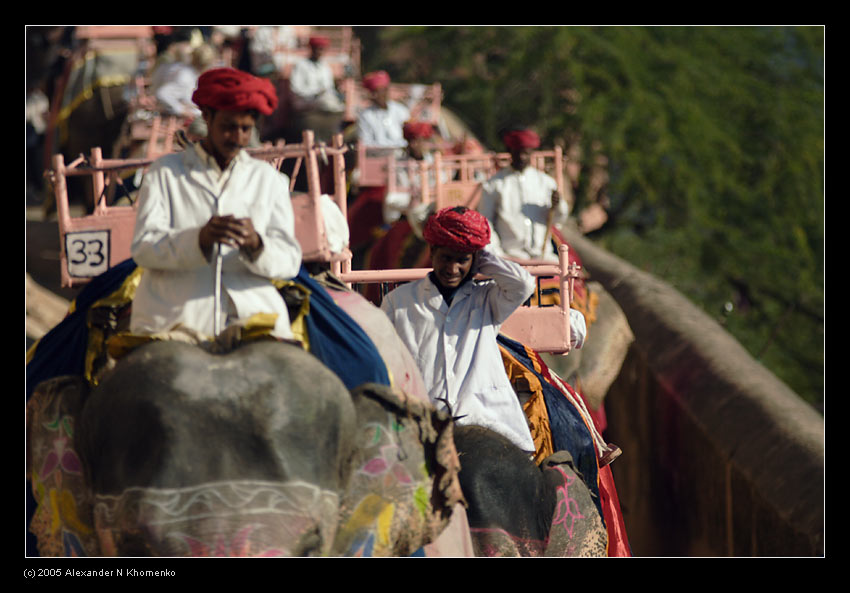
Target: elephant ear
404 481
577 527
61 515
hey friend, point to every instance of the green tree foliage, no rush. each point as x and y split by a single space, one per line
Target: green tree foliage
714 143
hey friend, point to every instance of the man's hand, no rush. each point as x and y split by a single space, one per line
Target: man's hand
229 230
476 263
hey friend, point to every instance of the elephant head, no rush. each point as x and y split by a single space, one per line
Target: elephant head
192 453
519 508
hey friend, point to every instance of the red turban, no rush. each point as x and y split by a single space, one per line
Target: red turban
319 41
458 228
376 80
417 129
229 89
520 139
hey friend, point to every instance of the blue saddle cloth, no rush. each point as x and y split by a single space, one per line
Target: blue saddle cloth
62 350
338 341
335 338
569 432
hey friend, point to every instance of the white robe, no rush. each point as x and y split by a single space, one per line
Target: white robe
455 346
173 84
517 205
383 127
180 193
408 187
312 85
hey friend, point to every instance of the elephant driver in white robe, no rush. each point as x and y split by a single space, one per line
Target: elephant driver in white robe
521 202
214 208
449 321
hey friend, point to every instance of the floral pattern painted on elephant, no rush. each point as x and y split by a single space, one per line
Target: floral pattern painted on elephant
62 519
576 529
393 485
239 545
387 503
229 518
567 511
388 460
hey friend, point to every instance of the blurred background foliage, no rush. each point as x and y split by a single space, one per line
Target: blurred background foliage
705 144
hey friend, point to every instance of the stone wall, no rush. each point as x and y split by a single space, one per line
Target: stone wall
720 458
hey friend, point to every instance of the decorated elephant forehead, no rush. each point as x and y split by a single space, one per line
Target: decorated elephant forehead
250 517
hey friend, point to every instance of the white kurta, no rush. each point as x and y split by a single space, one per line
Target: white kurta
455 346
179 194
407 192
383 127
517 205
312 85
173 84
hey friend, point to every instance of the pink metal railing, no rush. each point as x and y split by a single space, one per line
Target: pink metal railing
546 329
455 179
104 237
90 245
375 163
342 54
310 226
424 105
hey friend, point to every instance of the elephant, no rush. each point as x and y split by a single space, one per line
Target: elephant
269 450
226 435
88 92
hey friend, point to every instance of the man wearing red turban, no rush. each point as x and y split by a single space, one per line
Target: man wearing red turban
417 133
449 321
319 41
380 124
229 89
374 81
380 133
406 192
521 202
314 92
517 140
214 217
417 129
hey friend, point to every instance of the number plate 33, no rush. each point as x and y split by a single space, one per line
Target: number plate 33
87 253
